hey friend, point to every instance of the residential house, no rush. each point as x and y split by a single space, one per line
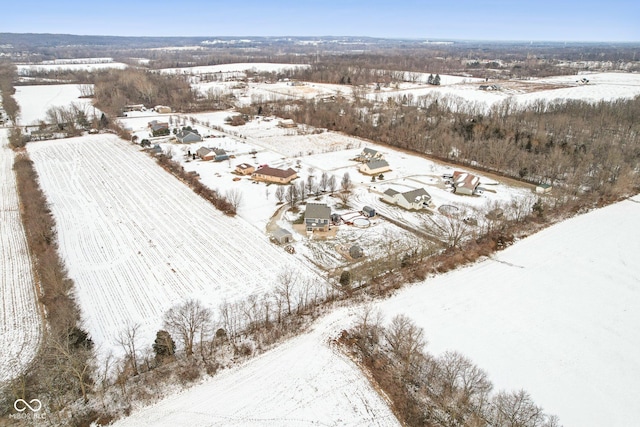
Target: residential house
375 167
465 183
317 217
205 153
134 107
275 175
412 200
245 169
158 128
369 154
188 137
162 109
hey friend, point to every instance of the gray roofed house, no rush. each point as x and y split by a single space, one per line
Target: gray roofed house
413 200
375 167
205 153
187 137
368 154
317 217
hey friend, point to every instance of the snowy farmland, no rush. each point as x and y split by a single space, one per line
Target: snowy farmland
305 381
137 241
556 314
20 322
35 100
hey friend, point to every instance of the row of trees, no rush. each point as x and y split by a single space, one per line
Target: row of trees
63 370
427 390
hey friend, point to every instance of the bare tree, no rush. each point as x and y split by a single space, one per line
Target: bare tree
186 321
324 181
333 184
284 290
126 339
292 195
517 409
346 182
451 229
405 339
280 193
302 190
234 196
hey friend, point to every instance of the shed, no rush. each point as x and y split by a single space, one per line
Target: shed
336 218
543 188
282 236
368 211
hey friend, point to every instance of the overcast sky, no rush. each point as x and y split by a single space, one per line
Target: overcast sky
559 20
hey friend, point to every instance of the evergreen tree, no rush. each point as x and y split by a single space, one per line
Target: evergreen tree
436 80
430 79
163 346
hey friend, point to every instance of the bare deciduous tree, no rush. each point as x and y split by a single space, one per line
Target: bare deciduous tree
187 321
234 196
126 339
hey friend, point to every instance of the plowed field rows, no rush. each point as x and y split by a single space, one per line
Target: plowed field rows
136 240
20 323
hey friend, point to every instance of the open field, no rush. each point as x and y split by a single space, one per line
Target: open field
35 100
137 241
556 314
304 382
20 321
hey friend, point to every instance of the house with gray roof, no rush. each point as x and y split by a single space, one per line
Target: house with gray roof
187 137
317 217
369 154
375 167
411 200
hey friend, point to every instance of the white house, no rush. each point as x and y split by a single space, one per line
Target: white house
411 200
374 167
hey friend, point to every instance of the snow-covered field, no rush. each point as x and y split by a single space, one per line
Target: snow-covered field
231 68
304 382
137 241
20 322
557 314
35 100
83 64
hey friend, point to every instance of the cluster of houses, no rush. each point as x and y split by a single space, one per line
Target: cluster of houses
373 162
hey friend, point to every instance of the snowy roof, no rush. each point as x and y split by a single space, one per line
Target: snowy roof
280 233
416 195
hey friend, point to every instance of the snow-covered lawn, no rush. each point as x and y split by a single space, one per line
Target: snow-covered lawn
20 322
557 314
137 241
304 382
35 100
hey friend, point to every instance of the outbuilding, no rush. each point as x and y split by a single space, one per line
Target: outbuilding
368 211
282 236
